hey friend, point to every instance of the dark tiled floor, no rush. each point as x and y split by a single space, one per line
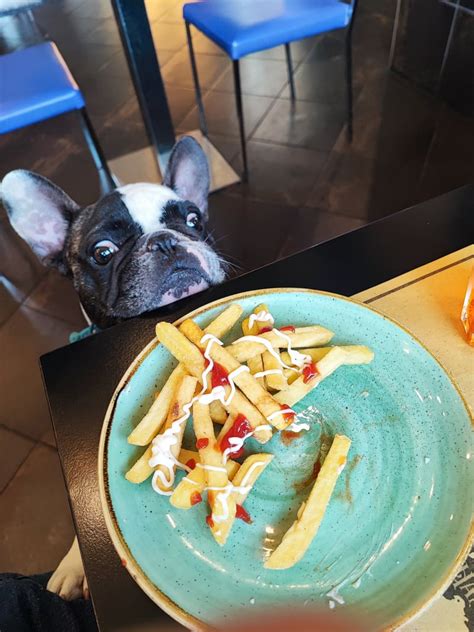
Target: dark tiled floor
307 185
36 522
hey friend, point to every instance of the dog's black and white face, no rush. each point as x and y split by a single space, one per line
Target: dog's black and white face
139 248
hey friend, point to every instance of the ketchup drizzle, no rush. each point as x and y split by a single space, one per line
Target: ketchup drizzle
195 498
310 370
240 428
242 514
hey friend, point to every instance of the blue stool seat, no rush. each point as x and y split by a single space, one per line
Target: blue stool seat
35 84
242 27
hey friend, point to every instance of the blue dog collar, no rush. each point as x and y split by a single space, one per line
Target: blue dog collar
80 335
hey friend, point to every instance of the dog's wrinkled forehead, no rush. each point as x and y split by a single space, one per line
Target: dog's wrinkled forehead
146 204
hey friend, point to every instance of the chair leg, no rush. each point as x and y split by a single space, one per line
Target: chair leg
289 65
447 48
349 82
240 116
393 43
197 87
96 150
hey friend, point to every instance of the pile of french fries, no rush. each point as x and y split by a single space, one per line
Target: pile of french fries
247 388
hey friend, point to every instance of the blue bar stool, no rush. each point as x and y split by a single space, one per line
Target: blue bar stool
241 27
35 85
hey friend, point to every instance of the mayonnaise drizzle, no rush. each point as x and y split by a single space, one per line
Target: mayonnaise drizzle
243 488
236 443
163 443
262 316
268 372
211 468
250 470
298 427
210 339
268 345
189 480
283 411
297 358
161 451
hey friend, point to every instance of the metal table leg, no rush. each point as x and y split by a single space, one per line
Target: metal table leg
137 40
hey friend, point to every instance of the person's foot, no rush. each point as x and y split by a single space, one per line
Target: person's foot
69 580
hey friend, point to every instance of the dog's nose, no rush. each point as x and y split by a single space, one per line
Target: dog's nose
164 242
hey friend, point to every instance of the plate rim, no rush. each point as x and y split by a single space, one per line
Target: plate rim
115 534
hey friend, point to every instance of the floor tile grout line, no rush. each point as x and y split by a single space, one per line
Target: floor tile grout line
45 313
45 444
261 119
23 304
19 433
17 469
333 150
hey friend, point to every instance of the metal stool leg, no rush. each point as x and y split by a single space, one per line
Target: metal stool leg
393 43
197 87
349 81
289 65
95 149
349 86
448 47
240 116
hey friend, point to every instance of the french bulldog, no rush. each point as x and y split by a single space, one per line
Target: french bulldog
136 249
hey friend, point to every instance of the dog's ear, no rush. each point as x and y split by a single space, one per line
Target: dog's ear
40 212
188 172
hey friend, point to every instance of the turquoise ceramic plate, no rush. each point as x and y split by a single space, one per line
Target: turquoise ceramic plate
398 524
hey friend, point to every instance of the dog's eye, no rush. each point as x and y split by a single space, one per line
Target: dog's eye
193 219
104 251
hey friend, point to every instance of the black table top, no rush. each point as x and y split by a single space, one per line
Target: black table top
81 378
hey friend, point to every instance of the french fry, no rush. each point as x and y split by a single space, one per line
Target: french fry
299 536
218 412
141 469
184 395
316 354
151 423
194 482
242 350
275 381
223 323
357 354
240 404
257 325
217 479
248 473
246 382
149 426
187 353
335 358
183 349
245 479
229 422
291 376
173 339
255 364
185 455
262 435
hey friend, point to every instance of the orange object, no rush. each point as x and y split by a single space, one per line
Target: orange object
467 313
